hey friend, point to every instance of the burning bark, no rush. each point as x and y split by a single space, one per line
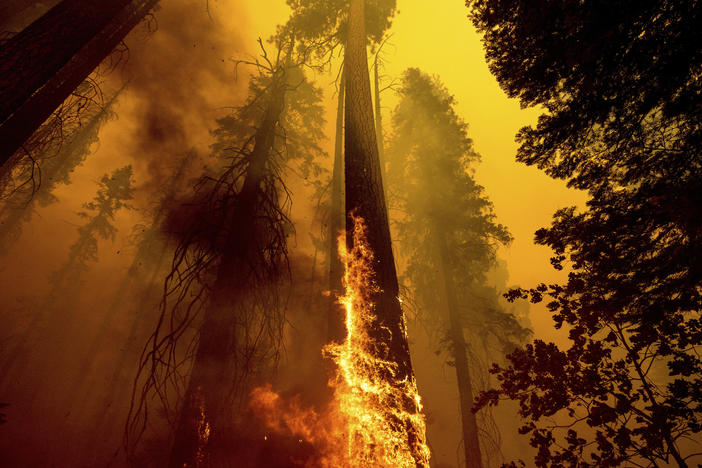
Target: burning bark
385 326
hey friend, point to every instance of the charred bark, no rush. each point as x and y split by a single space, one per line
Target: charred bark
471 442
209 389
365 198
336 323
42 65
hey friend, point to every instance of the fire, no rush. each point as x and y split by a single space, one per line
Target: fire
385 426
375 418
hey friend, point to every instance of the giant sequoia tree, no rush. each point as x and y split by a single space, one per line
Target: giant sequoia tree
621 86
354 23
38 72
231 257
448 233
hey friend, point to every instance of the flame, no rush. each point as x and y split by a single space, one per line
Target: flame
382 415
375 418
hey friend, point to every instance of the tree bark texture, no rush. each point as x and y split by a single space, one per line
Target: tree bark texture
365 198
364 191
41 66
378 116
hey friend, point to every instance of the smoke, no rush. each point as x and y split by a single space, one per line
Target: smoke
179 77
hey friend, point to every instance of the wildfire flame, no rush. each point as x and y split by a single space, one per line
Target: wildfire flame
383 429
375 419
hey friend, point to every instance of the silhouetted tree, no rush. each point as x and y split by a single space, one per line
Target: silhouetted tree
230 260
38 72
148 261
336 329
623 99
448 233
114 191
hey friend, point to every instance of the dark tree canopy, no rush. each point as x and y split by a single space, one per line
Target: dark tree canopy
327 19
620 83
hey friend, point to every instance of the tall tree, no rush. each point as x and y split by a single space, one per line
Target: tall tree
364 193
147 263
114 191
621 90
37 72
447 226
235 259
353 24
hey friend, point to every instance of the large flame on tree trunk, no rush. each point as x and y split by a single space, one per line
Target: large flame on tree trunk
374 418
382 414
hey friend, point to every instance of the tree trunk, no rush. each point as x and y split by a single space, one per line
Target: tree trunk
42 65
55 169
471 442
337 325
365 198
378 116
209 388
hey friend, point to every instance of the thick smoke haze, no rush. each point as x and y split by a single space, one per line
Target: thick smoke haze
175 78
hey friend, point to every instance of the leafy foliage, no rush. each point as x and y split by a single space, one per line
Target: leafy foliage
620 83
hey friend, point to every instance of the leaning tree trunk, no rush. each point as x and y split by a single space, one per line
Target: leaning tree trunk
211 379
336 323
54 170
471 442
365 199
41 66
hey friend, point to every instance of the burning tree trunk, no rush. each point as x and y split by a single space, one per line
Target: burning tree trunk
471 443
365 201
209 387
38 72
337 330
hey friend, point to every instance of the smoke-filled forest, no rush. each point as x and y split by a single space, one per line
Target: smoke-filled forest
350 233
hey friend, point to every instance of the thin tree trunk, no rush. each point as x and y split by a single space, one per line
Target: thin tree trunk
471 442
365 198
38 71
336 325
211 379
